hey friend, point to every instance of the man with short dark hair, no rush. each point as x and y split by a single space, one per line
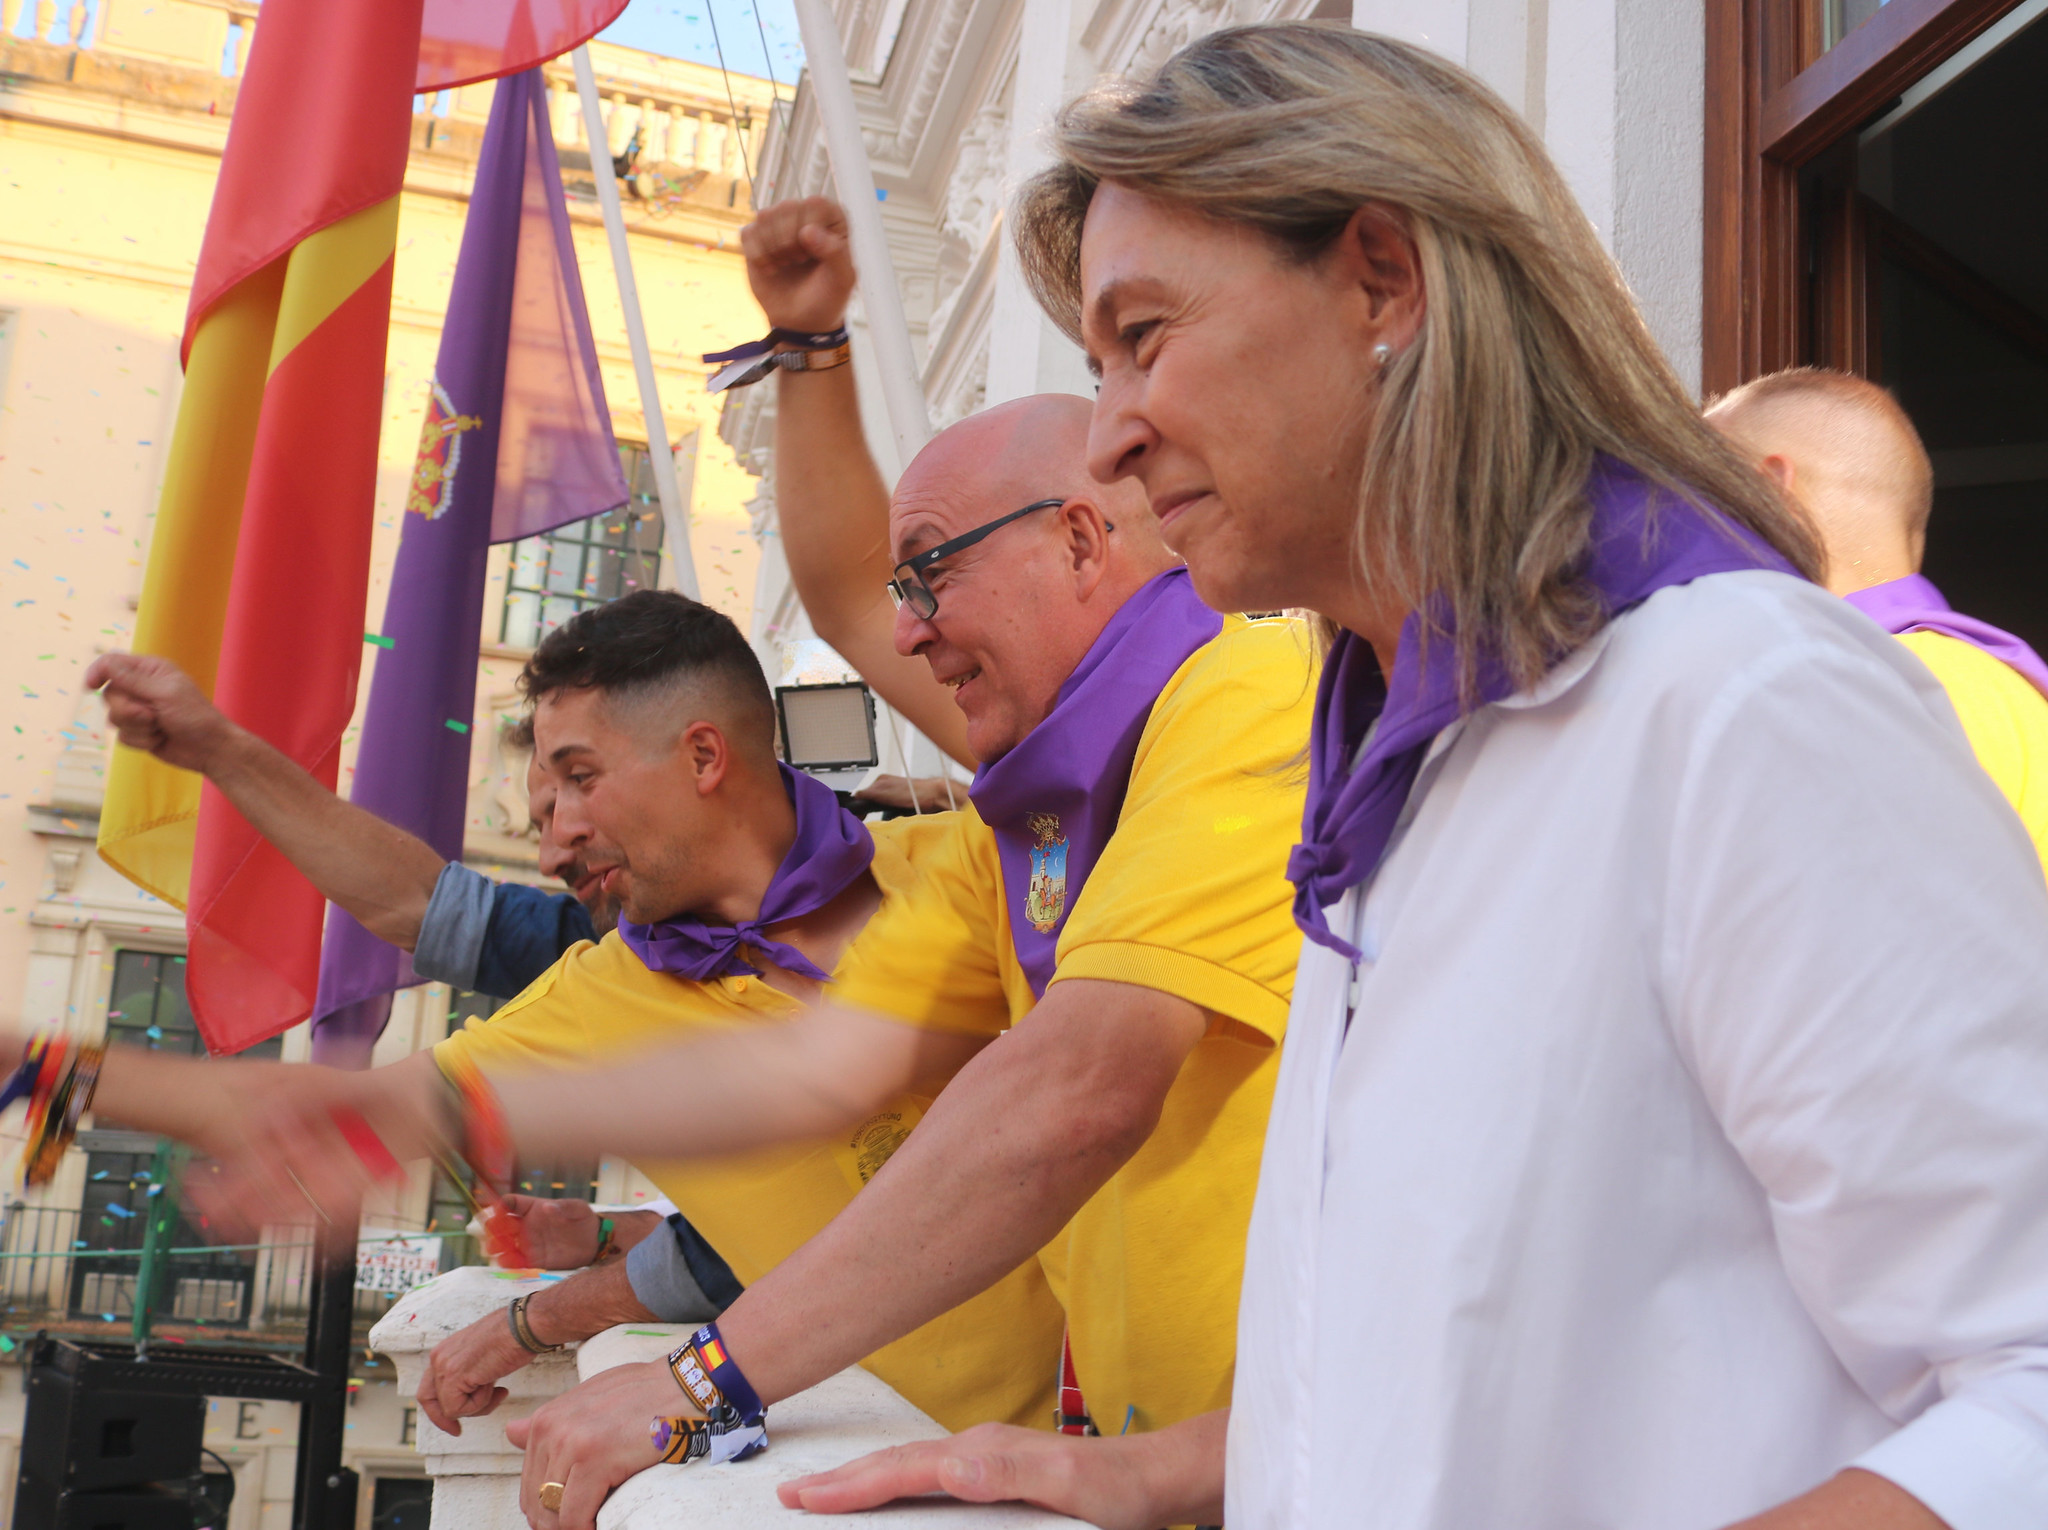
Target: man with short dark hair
742 885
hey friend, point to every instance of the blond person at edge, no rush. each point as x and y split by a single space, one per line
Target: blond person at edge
1846 452
1787 1272
1114 1129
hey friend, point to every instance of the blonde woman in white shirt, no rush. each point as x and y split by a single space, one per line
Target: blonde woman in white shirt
1662 1134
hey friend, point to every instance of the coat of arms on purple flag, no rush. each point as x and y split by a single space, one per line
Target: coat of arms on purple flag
517 441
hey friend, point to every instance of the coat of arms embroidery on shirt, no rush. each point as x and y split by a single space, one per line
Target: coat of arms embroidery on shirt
1046 898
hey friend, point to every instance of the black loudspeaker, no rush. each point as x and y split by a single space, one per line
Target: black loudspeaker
90 1440
112 1439
138 1508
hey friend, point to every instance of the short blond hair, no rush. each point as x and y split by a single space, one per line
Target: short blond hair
1532 361
1855 431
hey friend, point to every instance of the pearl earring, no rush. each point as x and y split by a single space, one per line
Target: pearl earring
1382 354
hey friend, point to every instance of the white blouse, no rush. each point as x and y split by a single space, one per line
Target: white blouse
1690 1142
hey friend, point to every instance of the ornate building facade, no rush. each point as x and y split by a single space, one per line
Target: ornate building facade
113 114
955 96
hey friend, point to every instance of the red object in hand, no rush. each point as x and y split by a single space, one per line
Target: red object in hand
366 1144
504 1234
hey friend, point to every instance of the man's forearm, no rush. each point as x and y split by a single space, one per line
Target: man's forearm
177 1097
375 870
729 1092
834 513
1015 1145
588 1302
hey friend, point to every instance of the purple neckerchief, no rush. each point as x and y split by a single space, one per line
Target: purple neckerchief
1913 604
832 848
1352 809
1053 801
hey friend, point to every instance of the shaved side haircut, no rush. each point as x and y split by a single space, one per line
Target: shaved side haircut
1842 431
652 655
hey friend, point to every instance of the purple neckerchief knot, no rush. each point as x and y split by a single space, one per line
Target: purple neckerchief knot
832 848
1355 801
1913 604
1054 800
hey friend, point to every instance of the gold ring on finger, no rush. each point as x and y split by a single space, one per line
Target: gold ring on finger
551 1496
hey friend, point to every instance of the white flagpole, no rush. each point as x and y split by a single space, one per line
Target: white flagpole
855 178
675 520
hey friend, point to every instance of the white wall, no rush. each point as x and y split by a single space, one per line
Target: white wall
1617 90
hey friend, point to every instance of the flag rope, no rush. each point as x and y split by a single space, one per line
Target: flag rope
753 197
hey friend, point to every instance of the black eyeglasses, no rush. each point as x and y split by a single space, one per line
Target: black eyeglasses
908 587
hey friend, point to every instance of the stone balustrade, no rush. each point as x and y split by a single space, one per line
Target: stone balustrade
476 1475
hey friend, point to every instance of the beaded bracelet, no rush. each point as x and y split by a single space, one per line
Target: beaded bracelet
70 1099
58 1080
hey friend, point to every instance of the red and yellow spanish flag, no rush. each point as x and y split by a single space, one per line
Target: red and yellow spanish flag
259 567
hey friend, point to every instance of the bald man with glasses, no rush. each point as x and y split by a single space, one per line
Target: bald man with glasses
1111 906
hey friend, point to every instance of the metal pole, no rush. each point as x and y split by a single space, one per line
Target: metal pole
160 1216
825 58
675 520
326 1491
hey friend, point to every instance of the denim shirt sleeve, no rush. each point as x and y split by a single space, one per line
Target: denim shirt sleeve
452 932
528 931
678 1276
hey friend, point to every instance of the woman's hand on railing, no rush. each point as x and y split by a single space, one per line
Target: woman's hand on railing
1136 1482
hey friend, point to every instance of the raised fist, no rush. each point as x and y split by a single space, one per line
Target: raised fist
154 706
800 264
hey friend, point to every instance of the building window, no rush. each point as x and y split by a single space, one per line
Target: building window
401 1503
148 1008
553 576
559 1180
211 1286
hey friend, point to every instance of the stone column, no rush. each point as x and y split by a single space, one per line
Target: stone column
476 1473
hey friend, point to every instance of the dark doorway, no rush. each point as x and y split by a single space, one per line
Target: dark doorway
1929 269
401 1503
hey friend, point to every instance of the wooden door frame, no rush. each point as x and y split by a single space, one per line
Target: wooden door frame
1773 104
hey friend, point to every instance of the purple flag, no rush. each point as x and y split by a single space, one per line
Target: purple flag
517 441
1913 604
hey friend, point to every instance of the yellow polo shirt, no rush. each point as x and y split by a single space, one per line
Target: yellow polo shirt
1189 898
2004 717
993 1357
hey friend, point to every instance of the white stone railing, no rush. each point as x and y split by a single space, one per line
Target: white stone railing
476 1476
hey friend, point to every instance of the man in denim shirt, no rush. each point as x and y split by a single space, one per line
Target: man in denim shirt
462 928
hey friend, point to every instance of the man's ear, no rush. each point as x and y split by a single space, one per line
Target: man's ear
1087 536
706 754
